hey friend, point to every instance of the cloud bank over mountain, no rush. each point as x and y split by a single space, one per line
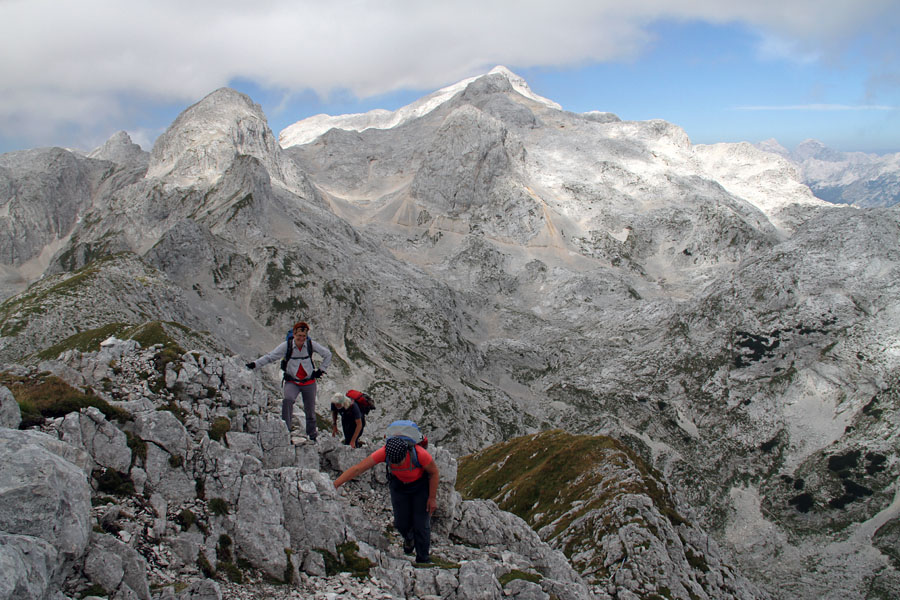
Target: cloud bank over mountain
82 67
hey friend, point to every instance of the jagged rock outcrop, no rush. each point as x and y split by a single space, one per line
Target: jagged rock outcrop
121 150
209 136
599 503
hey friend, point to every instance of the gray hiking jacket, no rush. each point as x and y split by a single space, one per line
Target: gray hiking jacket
298 357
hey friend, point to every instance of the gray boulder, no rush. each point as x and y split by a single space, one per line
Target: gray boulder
525 590
478 582
481 523
10 415
221 468
163 429
260 535
27 565
312 516
106 444
206 589
44 506
116 567
166 475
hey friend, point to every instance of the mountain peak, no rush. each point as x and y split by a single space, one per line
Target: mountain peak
204 140
306 130
121 150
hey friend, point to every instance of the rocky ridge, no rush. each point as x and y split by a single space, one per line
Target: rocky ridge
198 491
854 178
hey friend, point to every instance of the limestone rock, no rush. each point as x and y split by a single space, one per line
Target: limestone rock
116 567
121 150
42 496
10 415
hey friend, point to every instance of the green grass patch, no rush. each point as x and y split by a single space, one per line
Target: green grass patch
220 426
555 477
44 396
517 574
110 481
347 560
85 341
218 506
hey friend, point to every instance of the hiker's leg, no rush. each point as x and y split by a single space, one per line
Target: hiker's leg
309 408
349 426
400 503
421 521
287 405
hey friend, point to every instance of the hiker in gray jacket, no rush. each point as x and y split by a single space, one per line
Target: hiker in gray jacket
300 374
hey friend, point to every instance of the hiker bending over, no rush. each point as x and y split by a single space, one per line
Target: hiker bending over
300 373
353 421
413 490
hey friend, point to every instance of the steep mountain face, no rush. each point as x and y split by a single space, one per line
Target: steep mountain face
44 193
595 499
855 178
492 266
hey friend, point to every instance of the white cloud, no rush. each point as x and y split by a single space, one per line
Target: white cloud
73 59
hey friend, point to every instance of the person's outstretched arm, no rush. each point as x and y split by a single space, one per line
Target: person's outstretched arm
355 471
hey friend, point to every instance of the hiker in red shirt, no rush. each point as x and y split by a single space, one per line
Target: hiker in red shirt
413 478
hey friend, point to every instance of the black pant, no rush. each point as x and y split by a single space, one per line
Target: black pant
349 426
411 518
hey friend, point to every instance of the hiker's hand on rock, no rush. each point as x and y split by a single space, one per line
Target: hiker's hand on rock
251 365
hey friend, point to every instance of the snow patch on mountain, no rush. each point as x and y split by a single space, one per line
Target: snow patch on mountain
766 180
305 131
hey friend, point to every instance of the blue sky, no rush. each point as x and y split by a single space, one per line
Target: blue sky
724 71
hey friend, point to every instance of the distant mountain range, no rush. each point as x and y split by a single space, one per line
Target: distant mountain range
854 178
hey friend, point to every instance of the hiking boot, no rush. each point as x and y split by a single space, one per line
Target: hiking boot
409 546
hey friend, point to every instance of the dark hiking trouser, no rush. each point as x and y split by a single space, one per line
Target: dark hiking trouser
411 518
291 391
349 427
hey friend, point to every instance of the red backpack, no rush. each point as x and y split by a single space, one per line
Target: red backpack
365 403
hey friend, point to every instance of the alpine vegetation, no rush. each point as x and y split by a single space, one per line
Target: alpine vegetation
646 368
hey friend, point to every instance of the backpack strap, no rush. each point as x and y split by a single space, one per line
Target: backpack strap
288 350
309 352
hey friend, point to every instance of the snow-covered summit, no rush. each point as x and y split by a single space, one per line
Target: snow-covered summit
305 131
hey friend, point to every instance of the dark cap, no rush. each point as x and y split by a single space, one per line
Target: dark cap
395 450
